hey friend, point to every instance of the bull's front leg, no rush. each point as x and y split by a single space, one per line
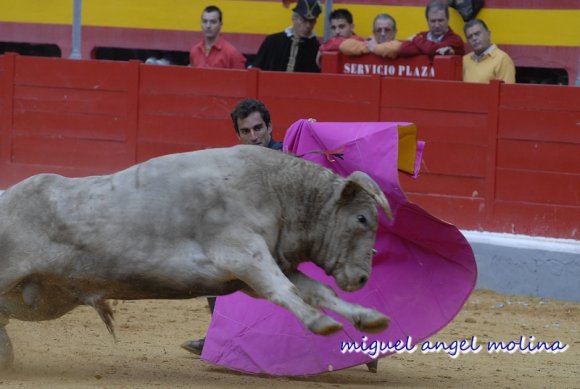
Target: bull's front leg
320 295
253 264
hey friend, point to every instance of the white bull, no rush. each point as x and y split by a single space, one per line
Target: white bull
185 225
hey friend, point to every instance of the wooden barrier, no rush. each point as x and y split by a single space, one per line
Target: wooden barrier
499 157
183 110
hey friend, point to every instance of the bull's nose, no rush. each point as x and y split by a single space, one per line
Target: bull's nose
362 281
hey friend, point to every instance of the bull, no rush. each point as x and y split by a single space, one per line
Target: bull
185 225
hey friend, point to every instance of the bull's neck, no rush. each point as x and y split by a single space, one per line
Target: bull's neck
307 218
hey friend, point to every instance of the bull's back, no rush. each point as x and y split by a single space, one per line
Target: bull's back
166 196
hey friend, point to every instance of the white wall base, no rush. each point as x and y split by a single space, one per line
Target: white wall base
520 264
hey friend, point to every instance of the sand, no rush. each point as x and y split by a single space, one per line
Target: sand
76 350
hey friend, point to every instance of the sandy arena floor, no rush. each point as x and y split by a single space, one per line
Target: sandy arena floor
77 352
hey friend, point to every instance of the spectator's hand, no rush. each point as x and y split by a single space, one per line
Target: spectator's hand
372 44
447 50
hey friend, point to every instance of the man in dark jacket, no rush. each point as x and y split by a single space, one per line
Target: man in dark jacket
253 126
294 49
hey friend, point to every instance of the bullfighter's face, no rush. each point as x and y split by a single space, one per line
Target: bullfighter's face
254 131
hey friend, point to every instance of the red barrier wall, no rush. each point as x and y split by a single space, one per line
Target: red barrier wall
498 157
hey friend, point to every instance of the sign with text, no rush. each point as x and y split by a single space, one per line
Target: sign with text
422 66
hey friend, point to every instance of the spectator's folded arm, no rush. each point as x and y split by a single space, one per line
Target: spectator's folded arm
388 49
353 47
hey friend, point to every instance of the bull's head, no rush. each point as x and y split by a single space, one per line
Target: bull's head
348 248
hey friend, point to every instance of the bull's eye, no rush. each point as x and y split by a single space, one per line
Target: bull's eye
362 219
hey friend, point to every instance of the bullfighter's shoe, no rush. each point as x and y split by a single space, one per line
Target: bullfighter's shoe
194 346
373 366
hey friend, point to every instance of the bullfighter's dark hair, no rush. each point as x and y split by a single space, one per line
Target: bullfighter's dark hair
245 108
474 22
437 5
341 13
213 8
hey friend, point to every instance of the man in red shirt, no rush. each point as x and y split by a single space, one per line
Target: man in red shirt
341 28
214 51
439 40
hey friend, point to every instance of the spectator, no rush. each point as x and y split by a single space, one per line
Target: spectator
341 28
382 43
251 120
296 48
214 51
439 40
487 62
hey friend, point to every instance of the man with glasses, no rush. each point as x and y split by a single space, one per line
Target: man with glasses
383 42
296 48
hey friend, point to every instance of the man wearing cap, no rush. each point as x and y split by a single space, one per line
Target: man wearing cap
294 49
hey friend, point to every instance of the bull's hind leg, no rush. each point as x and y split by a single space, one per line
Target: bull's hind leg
6 352
322 296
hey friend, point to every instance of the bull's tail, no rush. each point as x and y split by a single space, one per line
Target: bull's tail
106 314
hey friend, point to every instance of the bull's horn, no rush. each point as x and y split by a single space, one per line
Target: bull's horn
372 188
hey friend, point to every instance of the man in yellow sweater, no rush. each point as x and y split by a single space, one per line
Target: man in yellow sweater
487 62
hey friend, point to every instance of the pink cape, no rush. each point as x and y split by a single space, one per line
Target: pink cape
422 275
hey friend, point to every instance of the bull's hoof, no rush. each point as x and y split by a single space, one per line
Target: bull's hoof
6 365
373 322
6 353
6 360
325 325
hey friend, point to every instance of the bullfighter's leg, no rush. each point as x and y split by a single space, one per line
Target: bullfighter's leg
263 276
322 296
6 352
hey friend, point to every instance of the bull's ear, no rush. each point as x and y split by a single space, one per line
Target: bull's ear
362 181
